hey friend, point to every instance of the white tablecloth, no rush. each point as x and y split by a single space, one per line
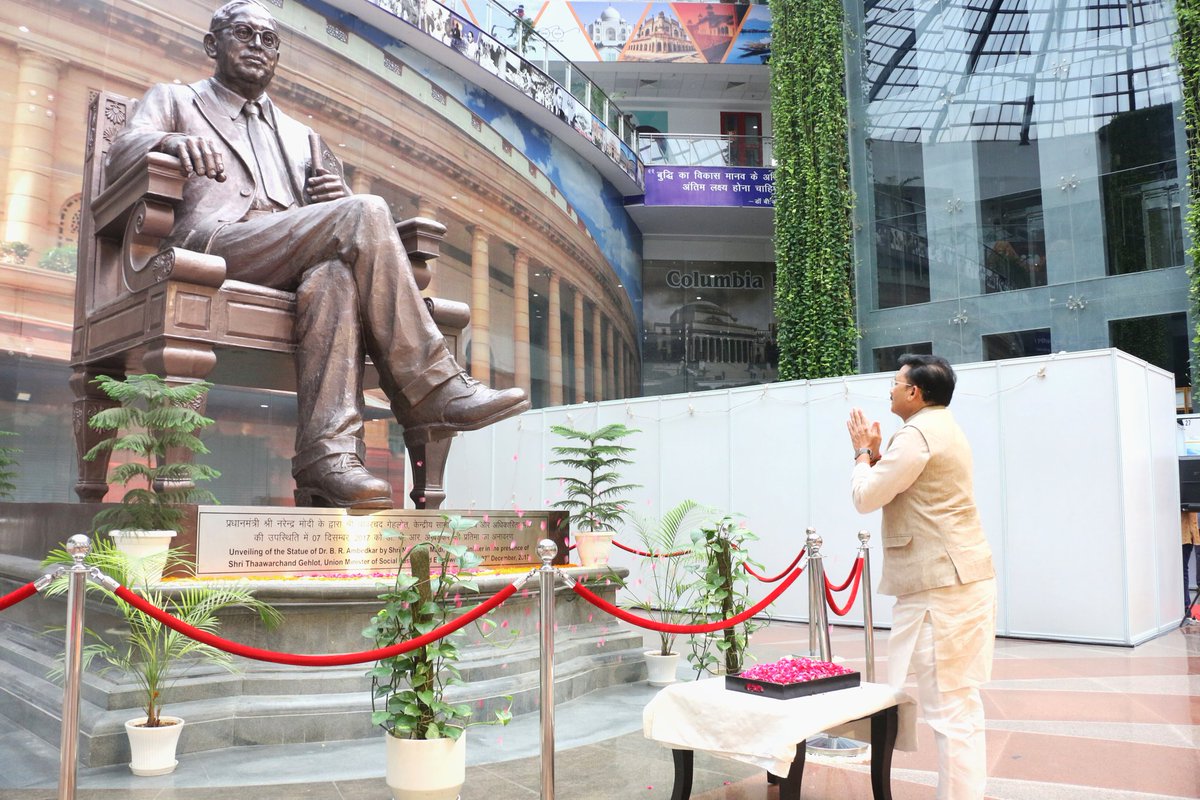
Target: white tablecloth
704 715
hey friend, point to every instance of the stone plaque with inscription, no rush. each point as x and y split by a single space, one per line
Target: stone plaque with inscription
260 540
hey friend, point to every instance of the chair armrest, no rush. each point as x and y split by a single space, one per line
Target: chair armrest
422 238
137 209
156 178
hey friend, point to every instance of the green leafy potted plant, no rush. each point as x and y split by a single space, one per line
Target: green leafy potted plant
595 495
722 590
152 421
426 748
8 460
150 652
670 587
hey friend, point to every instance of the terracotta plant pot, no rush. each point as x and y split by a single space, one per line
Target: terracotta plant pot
426 769
152 750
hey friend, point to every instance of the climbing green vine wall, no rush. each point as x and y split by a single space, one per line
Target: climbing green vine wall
814 303
1187 51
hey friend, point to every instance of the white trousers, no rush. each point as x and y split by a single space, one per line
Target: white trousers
957 623
957 720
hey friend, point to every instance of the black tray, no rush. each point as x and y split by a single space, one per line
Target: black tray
786 691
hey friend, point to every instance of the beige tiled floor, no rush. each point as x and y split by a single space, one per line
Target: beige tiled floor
1065 722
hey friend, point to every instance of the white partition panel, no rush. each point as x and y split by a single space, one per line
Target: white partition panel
1075 477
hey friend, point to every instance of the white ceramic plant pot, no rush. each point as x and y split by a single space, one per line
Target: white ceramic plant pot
593 548
152 750
426 769
147 551
660 669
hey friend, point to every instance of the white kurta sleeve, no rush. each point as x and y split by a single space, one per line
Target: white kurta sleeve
872 488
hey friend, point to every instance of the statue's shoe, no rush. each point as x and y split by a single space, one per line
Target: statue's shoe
460 404
341 481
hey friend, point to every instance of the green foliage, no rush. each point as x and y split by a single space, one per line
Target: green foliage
722 591
153 417
149 650
813 257
595 501
670 586
408 690
1187 51
14 252
8 460
60 259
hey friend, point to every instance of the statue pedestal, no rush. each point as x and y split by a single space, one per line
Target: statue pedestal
274 704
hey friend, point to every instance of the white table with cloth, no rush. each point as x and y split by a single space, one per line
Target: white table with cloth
771 733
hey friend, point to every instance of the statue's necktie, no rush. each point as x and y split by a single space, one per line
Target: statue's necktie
272 174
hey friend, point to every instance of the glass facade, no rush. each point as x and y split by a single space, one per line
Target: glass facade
1018 167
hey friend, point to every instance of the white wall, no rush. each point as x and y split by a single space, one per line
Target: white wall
1075 477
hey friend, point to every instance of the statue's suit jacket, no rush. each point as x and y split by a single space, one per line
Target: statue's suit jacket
197 110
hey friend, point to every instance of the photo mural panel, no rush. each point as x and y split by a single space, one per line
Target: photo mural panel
697 33
593 199
707 325
509 52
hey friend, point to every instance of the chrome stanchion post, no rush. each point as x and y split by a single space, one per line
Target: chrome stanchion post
815 598
78 546
824 744
820 615
864 538
546 551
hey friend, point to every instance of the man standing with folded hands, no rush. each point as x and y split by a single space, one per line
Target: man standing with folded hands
936 562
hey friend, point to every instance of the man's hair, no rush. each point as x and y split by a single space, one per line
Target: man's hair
932 375
222 15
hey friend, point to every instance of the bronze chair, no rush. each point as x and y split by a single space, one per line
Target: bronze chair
142 307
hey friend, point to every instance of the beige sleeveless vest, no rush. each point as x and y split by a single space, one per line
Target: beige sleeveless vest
932 536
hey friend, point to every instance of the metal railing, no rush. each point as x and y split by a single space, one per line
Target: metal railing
705 150
516 32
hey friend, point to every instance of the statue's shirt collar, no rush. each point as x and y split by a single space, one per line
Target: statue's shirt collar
230 102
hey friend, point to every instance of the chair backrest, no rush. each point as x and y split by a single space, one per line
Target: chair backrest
107 115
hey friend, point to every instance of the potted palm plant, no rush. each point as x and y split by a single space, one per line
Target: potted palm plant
151 421
671 584
595 495
426 745
154 655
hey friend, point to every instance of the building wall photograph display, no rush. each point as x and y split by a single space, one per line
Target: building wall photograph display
707 325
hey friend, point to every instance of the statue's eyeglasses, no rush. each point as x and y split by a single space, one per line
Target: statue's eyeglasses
244 33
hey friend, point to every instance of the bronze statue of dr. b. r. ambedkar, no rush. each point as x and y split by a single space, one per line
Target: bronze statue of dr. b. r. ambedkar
255 198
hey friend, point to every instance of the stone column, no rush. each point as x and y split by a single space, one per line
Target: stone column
597 354
521 320
580 371
31 160
427 208
554 341
362 182
610 373
481 362
620 368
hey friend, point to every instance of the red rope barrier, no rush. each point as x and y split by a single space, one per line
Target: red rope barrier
627 549
850 577
856 576
790 567
666 627
335 660
16 596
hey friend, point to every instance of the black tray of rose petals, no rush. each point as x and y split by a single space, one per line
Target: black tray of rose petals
797 688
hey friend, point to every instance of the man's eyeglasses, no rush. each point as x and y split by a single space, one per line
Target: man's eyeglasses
902 383
244 33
